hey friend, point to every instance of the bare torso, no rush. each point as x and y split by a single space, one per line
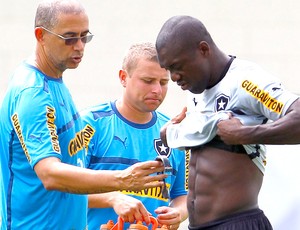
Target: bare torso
221 183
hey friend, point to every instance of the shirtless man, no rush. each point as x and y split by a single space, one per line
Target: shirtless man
227 151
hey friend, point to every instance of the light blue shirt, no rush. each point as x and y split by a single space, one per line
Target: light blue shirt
38 120
115 143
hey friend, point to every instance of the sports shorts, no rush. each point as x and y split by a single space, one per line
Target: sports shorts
254 219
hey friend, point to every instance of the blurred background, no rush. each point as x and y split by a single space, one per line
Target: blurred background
266 32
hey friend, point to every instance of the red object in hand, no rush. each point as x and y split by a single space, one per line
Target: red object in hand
137 226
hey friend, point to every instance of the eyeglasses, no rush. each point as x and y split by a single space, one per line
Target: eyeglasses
69 41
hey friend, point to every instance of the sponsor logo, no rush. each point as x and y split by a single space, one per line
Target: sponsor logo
52 128
18 130
88 133
187 162
263 96
156 193
81 140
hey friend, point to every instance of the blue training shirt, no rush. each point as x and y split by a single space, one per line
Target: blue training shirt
38 120
114 143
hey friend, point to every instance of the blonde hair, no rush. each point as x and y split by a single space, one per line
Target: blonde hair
137 51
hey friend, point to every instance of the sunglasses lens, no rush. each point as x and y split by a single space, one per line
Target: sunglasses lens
71 41
87 38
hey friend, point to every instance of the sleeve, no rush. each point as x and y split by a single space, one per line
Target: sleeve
34 120
89 135
264 95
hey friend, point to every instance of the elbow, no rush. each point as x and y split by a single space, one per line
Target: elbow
49 184
48 180
46 171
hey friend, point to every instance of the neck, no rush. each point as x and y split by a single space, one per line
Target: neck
220 63
40 61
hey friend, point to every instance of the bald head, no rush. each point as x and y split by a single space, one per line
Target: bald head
182 32
48 11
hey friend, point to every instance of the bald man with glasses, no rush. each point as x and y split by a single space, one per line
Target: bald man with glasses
42 152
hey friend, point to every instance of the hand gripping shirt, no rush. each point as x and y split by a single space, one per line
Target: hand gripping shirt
115 143
38 120
248 92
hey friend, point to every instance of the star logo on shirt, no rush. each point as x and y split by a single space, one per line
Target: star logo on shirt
221 102
221 105
161 148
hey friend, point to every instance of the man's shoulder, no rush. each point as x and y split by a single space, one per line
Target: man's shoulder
27 76
244 66
97 111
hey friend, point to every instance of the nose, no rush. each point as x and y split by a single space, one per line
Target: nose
157 88
79 45
174 76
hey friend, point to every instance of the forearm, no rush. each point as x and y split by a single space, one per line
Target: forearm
126 207
283 131
56 175
72 179
102 200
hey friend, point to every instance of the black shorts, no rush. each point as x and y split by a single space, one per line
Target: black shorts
254 219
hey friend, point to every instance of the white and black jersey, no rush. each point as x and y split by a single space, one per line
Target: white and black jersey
249 92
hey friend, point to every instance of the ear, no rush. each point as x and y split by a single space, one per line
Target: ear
123 77
38 32
203 47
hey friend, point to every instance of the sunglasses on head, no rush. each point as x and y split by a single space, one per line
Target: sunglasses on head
69 41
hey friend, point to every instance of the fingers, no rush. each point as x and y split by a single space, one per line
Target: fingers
131 209
133 217
143 175
168 216
128 218
140 213
152 184
155 166
177 119
147 168
173 226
